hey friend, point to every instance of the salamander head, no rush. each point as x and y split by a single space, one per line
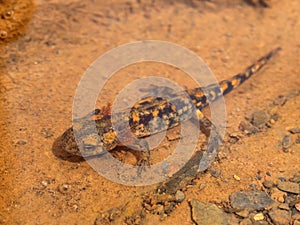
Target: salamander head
87 142
85 146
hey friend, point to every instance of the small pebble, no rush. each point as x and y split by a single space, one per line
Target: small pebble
179 196
46 132
287 141
234 137
260 117
159 209
282 179
202 186
272 121
64 188
286 150
215 172
21 142
236 177
168 209
258 216
75 207
294 130
280 199
44 183
247 127
281 100
3 34
275 117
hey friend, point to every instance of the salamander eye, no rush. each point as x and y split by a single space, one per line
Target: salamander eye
88 147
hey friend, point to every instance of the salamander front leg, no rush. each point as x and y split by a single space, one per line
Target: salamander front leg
142 154
214 143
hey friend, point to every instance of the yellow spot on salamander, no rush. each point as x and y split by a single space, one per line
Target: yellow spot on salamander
247 73
199 104
173 107
96 117
255 68
135 117
110 137
224 86
199 94
155 112
200 114
258 65
161 106
235 82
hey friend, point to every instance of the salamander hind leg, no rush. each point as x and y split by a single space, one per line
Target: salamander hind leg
144 159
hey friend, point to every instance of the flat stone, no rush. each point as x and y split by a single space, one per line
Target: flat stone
294 130
268 184
287 141
252 199
215 172
280 217
207 214
260 117
244 213
284 206
289 187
